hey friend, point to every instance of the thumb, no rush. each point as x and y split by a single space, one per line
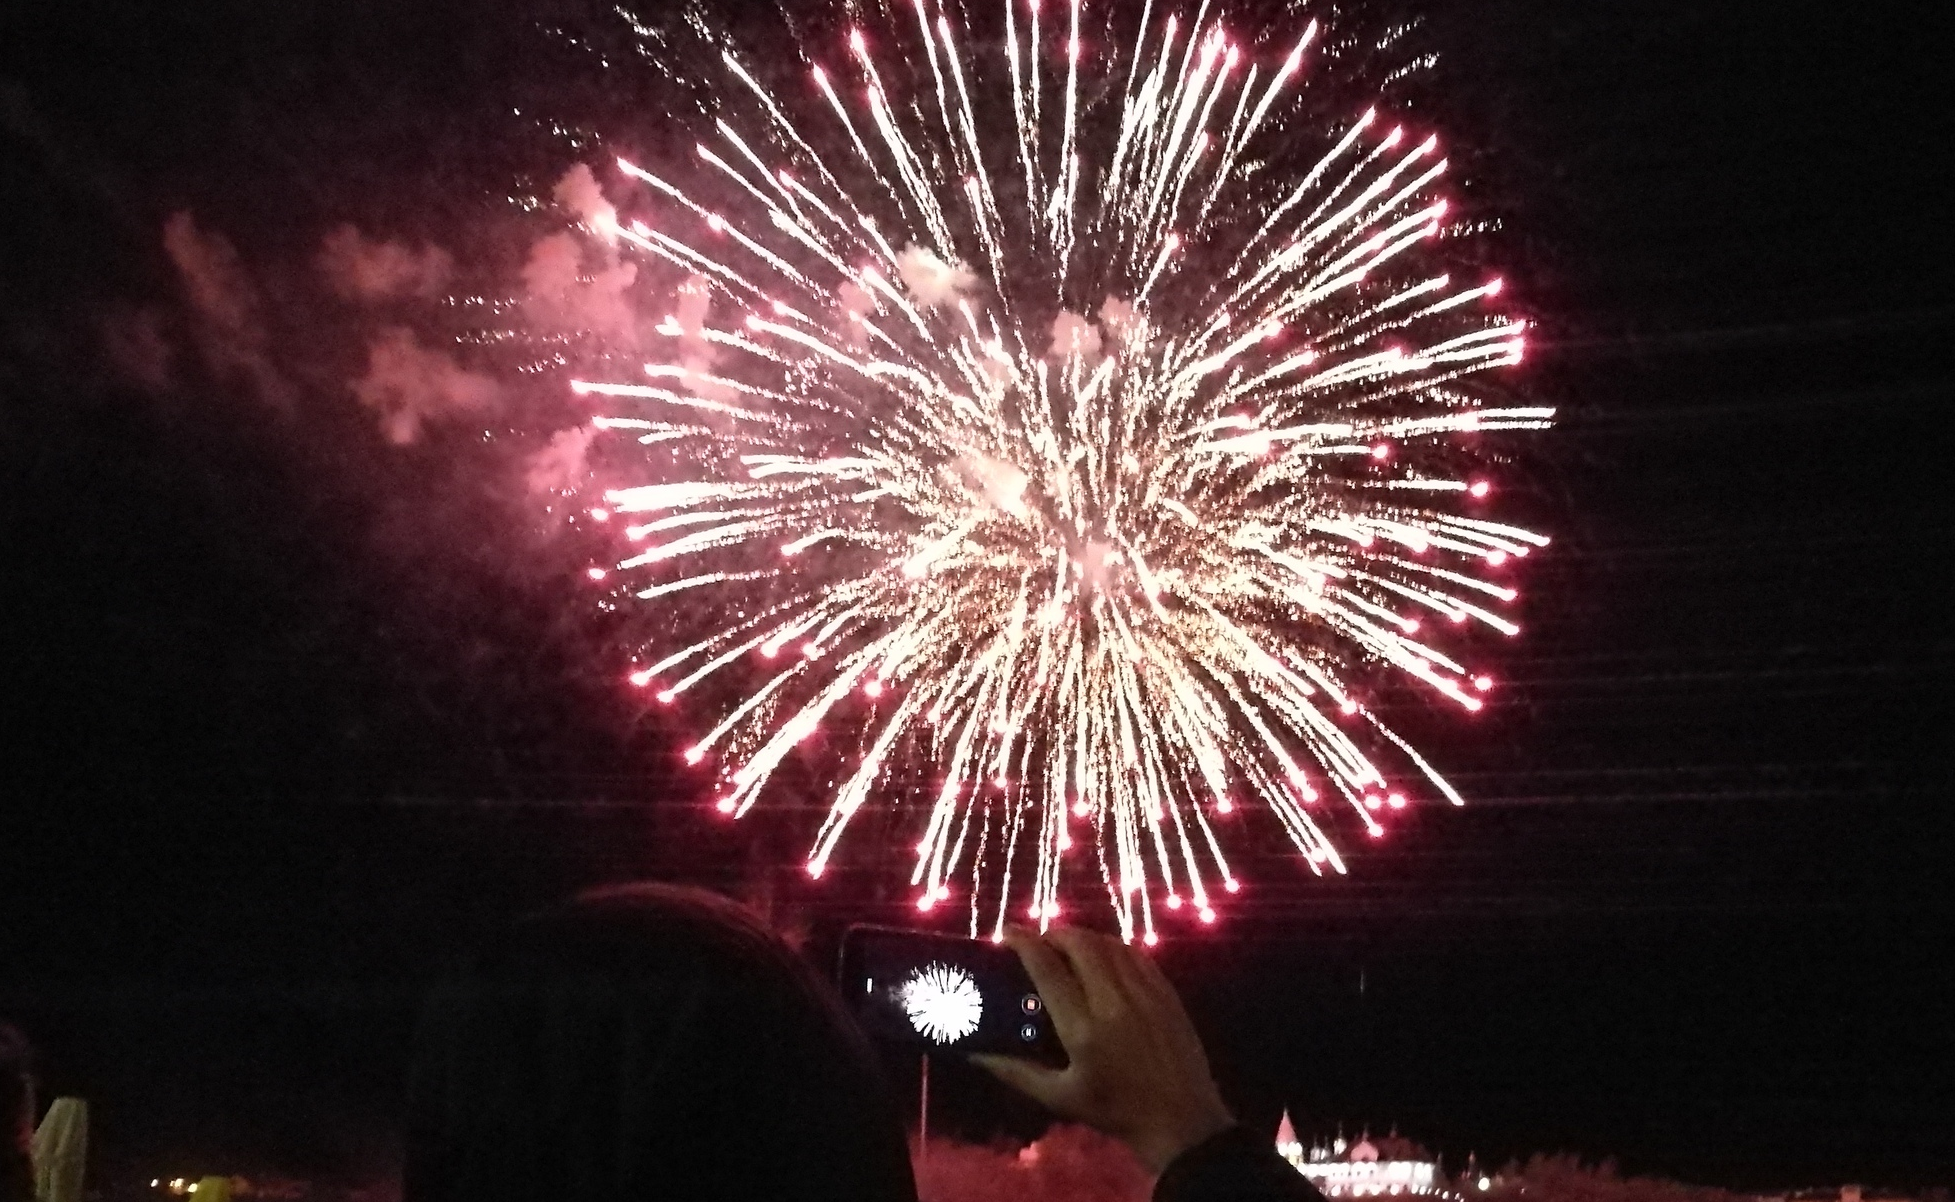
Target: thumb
1041 1084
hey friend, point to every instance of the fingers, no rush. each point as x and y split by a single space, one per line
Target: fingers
1142 977
1094 959
1056 982
1137 1070
1043 1085
1137 985
1145 969
1151 985
1162 1001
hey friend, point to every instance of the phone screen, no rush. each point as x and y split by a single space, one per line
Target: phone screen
945 993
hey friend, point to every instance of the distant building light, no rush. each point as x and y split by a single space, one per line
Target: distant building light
1360 1178
1354 1171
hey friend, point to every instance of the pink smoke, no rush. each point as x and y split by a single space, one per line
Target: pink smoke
360 269
410 386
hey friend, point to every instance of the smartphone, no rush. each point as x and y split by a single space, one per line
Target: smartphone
945 993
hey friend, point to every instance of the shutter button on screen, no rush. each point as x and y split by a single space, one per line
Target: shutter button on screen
1030 1003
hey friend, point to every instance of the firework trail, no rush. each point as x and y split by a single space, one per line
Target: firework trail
1026 420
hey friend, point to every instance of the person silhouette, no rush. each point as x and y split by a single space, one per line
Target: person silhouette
651 1041
646 1042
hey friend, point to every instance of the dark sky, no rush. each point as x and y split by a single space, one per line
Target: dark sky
286 731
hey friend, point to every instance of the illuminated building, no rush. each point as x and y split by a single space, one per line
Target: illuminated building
1360 1170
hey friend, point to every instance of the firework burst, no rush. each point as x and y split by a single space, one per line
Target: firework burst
943 1003
1027 418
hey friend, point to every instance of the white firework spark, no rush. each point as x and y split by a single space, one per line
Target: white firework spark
943 1003
1051 436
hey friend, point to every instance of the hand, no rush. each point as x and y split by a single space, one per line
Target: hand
1138 1071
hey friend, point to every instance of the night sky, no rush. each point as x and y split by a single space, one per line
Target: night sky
296 715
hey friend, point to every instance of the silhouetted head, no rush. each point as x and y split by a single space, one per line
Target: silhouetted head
16 1117
646 1042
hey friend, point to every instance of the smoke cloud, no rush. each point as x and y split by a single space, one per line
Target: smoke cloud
358 269
696 354
1067 1164
229 331
1074 335
932 281
1121 320
563 465
996 371
407 358
1002 484
138 348
578 191
857 303
561 292
410 386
